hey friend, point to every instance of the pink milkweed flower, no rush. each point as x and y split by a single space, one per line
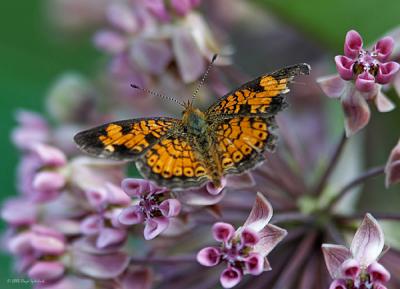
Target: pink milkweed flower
244 250
154 207
32 129
103 224
358 267
361 75
392 169
39 252
40 175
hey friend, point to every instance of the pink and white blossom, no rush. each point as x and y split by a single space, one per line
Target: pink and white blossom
361 74
153 207
358 267
244 250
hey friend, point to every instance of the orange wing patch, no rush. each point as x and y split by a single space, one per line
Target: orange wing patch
172 161
263 95
242 140
124 139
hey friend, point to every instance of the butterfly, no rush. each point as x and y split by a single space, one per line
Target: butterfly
230 137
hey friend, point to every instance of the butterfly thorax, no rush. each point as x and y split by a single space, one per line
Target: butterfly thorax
194 121
201 137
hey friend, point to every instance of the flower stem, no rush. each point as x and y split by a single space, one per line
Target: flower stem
357 181
331 165
303 251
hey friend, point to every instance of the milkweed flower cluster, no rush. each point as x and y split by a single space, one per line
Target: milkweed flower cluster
362 73
80 222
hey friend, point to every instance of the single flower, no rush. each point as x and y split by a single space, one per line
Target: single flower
358 267
361 74
244 250
154 207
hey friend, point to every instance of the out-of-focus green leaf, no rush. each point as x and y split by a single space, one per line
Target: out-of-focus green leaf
329 21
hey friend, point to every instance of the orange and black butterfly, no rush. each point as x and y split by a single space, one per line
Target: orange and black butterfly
228 138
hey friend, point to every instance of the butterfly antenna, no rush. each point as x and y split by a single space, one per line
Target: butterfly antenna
158 94
204 77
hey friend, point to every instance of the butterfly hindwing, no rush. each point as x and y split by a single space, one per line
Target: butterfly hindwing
263 95
242 140
125 139
173 163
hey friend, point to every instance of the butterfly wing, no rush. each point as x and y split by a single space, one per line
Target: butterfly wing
242 140
125 139
261 96
173 163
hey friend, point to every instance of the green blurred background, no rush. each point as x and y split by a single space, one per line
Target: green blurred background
32 55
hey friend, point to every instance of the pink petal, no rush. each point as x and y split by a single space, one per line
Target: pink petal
353 44
332 85
344 67
392 169
41 230
260 214
137 278
157 7
378 273
209 256
213 190
269 236
48 244
109 41
190 62
110 236
50 156
383 104
368 241
48 181
350 269
91 225
116 196
46 270
223 232
334 256
100 266
20 243
249 237
88 244
170 208
135 187
131 216
154 227
365 82
97 197
338 284
122 17
19 212
152 56
254 264
182 7
200 197
230 277
356 112
384 48
387 71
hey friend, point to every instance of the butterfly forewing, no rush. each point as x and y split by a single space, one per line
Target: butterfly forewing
125 139
263 95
